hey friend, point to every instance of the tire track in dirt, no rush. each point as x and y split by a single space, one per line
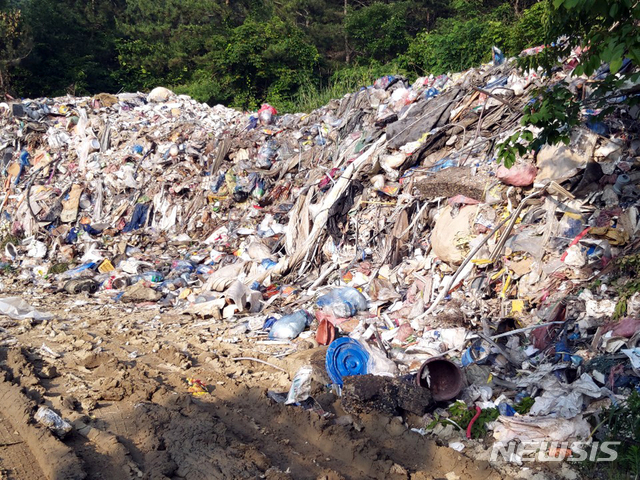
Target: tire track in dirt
55 459
133 417
16 459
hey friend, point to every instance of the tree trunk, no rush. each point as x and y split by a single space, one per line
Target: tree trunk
3 80
346 38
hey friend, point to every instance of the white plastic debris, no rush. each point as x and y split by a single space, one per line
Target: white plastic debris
50 419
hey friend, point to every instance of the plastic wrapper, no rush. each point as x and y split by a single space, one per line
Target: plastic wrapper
528 429
343 302
267 154
50 419
18 309
266 114
378 363
301 386
290 326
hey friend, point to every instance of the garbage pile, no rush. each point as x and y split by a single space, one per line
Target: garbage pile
379 226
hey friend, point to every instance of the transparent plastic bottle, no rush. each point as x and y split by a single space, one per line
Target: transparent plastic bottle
151 276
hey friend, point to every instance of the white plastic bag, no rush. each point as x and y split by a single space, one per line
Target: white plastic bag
301 386
18 309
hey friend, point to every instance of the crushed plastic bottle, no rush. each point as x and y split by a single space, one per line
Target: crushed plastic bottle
150 276
290 326
300 386
174 283
47 417
75 272
343 302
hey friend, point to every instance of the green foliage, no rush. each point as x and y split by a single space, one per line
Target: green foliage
15 41
524 406
296 54
58 268
465 40
73 47
453 46
529 29
310 96
626 287
555 111
379 31
202 87
605 31
266 61
165 42
460 415
622 423
9 239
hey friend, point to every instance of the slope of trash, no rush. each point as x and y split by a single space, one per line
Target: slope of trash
372 252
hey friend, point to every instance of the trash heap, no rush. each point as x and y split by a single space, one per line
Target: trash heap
380 228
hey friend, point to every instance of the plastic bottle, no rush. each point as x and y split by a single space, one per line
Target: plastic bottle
343 302
183 264
74 272
205 270
290 326
506 410
178 267
267 154
266 264
150 276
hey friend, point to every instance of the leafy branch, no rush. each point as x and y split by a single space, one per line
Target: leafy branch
602 37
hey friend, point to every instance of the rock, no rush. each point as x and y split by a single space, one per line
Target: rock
140 293
396 427
48 371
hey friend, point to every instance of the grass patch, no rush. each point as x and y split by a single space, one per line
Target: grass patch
312 96
9 239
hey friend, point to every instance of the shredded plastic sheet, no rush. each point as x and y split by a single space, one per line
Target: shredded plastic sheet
18 309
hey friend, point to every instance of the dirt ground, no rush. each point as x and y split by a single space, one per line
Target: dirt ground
118 373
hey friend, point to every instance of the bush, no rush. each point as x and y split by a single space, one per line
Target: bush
346 80
266 61
379 31
465 40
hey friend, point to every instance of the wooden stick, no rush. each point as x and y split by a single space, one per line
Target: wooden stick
501 100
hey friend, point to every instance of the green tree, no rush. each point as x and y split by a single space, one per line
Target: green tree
265 61
379 31
322 21
167 41
15 42
73 47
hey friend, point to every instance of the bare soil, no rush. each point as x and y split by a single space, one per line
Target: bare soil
121 380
